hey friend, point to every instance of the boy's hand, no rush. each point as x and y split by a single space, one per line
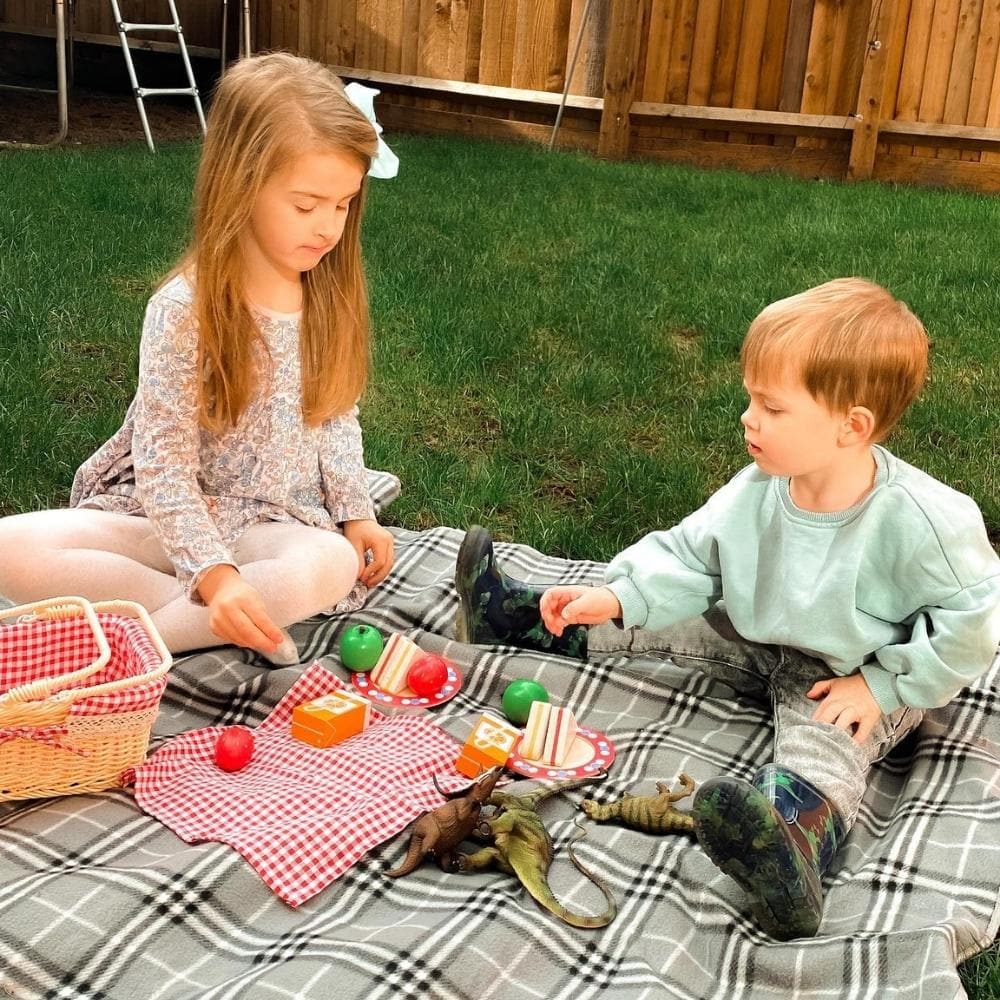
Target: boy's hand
370 535
847 703
562 606
236 612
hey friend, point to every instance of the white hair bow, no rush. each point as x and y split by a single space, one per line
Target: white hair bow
385 163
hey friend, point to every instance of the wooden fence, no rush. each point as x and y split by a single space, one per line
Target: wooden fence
900 90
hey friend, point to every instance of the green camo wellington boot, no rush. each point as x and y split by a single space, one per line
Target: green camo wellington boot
494 609
776 836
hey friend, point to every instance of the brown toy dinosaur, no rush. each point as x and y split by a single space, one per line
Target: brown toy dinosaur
648 813
440 831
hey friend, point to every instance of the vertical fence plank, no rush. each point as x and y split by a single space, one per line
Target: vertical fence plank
341 40
772 57
793 72
706 35
364 24
540 45
394 18
993 113
409 46
748 64
963 64
458 39
987 50
681 48
878 45
944 29
497 55
661 29
843 96
911 80
727 50
475 38
626 31
588 74
772 61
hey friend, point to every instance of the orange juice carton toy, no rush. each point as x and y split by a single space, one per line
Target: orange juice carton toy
331 719
488 745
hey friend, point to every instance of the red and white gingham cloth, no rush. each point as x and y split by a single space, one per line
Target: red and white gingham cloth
32 650
300 815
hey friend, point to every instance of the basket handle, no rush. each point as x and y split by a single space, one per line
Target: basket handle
54 609
128 609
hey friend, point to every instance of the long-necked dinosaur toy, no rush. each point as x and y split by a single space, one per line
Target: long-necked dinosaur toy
522 847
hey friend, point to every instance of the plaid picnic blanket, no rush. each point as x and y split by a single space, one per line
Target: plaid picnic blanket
98 899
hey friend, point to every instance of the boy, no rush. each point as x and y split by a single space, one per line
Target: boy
848 587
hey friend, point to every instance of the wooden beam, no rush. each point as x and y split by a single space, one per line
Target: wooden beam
626 32
942 134
938 173
745 119
112 40
871 90
432 85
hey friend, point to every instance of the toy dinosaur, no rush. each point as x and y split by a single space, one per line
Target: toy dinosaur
522 847
441 830
648 813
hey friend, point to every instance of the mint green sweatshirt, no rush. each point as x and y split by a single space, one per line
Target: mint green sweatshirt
904 586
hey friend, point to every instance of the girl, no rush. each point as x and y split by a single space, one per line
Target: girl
241 452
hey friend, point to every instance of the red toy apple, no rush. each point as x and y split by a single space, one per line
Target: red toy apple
427 675
234 748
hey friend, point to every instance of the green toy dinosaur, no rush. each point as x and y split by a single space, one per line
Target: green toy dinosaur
648 813
522 847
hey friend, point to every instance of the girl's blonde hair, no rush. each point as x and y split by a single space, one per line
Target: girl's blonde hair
266 110
849 341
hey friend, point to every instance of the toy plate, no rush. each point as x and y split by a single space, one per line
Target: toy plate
590 753
406 698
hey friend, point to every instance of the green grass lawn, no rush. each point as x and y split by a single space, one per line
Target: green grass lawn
555 337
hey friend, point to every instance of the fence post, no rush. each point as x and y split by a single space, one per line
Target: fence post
871 91
627 30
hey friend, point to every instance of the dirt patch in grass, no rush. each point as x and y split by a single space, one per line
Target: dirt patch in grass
95 118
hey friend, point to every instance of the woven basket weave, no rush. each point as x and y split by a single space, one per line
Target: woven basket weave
80 687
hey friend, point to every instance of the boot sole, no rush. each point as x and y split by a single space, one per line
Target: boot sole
741 834
474 548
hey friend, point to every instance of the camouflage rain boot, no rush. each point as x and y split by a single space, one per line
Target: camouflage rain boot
776 837
495 610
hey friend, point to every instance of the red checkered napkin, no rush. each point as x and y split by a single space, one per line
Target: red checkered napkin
301 816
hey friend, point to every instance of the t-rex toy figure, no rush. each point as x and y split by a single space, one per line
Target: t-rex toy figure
648 813
522 847
440 831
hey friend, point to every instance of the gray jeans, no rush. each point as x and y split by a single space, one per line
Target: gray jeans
825 755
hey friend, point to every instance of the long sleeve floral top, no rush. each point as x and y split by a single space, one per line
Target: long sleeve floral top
201 489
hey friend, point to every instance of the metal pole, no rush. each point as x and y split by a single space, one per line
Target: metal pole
569 72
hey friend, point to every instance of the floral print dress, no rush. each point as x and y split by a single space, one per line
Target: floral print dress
202 489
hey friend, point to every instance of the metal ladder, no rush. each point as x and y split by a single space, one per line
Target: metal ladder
141 93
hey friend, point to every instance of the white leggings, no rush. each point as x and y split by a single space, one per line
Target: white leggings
298 570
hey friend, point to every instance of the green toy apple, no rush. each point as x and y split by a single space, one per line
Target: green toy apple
518 696
360 648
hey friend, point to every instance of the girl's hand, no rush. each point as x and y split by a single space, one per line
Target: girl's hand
236 612
370 536
847 703
562 606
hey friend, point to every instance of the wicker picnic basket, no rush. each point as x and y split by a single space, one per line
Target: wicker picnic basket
80 687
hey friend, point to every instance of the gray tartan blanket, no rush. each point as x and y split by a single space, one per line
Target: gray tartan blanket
98 900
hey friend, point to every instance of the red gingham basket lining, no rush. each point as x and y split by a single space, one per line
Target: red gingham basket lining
30 651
